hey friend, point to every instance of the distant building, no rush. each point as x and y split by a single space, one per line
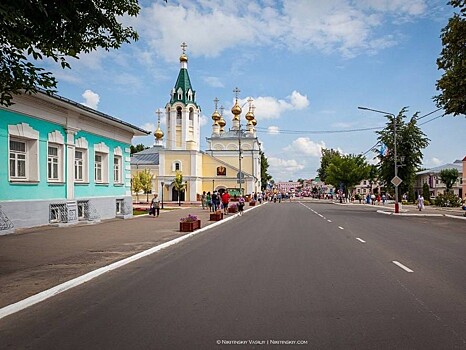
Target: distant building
436 187
62 162
287 187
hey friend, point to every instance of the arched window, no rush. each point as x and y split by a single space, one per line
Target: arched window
191 116
176 165
178 115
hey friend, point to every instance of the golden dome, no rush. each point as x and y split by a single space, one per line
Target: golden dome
158 133
254 122
183 58
249 116
236 109
216 116
221 122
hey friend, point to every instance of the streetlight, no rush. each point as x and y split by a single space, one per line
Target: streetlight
162 183
396 180
186 191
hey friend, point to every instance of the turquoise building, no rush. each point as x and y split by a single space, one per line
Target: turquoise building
62 162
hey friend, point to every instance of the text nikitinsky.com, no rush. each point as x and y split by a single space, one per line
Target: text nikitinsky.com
261 342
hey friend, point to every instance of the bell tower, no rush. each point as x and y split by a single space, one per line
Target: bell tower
182 112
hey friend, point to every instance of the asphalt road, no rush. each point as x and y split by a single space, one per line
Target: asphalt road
319 275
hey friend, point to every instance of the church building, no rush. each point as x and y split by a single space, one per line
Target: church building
232 161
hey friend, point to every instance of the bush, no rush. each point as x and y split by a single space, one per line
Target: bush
426 202
448 199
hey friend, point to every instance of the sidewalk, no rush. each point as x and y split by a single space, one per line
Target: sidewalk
37 259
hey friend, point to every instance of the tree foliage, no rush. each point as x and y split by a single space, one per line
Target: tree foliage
265 177
138 148
449 177
452 60
346 171
178 182
327 155
136 185
31 31
410 141
426 191
145 177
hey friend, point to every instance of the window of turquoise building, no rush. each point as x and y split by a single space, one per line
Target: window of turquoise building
23 153
98 168
53 163
18 158
117 178
79 165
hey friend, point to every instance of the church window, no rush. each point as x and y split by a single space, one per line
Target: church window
176 166
178 115
191 116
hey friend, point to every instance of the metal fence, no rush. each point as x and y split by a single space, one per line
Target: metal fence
5 223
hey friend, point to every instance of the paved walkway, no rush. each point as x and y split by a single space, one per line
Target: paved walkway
36 259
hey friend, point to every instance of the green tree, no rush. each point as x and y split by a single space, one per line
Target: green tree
452 84
145 177
426 191
136 185
410 141
449 177
373 175
138 148
265 177
347 170
35 30
179 185
327 155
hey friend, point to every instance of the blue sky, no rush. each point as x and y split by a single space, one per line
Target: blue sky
308 65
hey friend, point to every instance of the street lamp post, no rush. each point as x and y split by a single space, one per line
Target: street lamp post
395 180
162 183
186 191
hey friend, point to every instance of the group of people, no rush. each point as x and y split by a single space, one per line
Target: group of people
220 201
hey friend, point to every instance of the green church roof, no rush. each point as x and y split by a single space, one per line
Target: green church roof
184 83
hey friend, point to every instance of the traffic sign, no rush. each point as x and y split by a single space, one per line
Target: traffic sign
396 181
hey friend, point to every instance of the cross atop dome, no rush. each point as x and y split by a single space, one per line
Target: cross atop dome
183 47
236 91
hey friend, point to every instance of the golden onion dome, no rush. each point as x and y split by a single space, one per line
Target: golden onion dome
254 122
236 109
158 133
216 116
222 122
183 58
249 116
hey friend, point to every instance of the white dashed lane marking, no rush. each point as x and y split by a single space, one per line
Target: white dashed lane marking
407 269
341 228
360 240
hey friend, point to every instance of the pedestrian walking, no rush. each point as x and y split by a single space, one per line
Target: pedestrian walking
241 202
203 200
208 199
420 202
155 206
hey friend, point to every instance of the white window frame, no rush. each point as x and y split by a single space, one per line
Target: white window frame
56 140
81 145
17 156
177 162
118 166
24 133
101 150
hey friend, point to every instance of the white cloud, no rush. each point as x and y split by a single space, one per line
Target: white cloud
435 161
211 27
149 127
268 107
305 146
214 82
284 168
204 120
91 99
273 130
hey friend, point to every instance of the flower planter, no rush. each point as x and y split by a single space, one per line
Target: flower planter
216 216
190 226
252 203
233 209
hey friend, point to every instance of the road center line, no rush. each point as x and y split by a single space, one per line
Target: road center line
329 220
407 269
341 228
360 240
